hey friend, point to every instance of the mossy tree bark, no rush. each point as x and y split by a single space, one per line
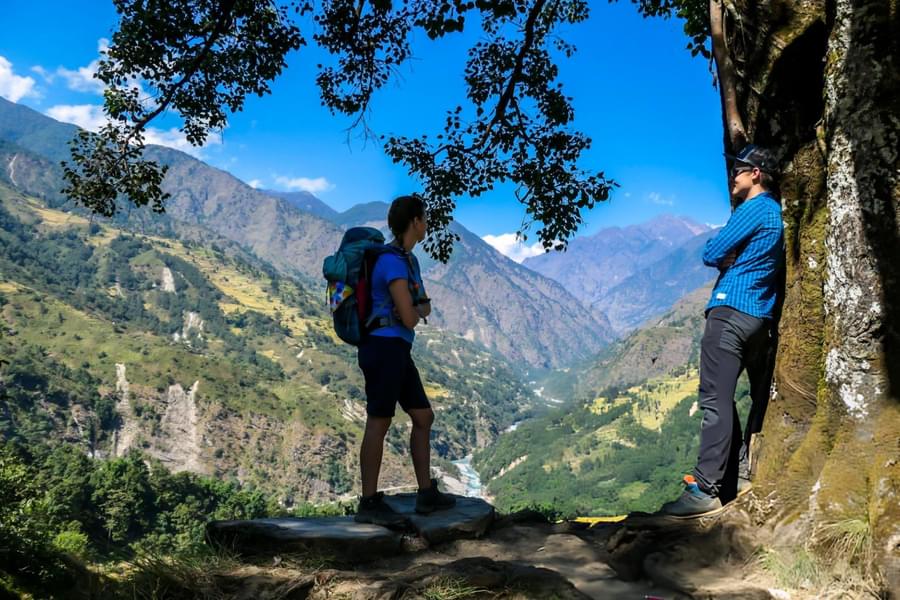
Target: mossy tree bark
818 80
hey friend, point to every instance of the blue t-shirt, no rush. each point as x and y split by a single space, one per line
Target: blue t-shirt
756 232
390 267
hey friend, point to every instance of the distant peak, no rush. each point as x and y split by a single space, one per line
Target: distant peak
667 224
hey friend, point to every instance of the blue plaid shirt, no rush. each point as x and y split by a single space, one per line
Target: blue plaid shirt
755 232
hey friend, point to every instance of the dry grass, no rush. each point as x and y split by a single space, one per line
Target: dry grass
798 571
809 575
56 218
156 577
450 588
847 547
433 390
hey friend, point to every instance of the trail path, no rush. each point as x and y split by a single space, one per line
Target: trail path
519 557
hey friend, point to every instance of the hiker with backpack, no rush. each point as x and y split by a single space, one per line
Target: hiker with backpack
378 298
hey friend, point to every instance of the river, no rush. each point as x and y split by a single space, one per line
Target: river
469 477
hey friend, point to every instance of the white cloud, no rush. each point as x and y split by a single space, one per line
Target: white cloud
86 116
46 75
82 79
92 118
512 247
305 184
657 198
255 183
14 87
175 139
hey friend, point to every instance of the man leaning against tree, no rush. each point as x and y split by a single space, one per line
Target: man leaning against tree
740 333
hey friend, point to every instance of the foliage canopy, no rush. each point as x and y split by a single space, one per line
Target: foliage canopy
201 57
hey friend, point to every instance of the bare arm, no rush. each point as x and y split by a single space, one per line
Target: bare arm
403 305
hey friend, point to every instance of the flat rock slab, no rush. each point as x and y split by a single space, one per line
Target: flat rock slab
471 517
333 537
343 539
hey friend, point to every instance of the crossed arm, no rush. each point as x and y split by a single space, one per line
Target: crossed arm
721 251
408 314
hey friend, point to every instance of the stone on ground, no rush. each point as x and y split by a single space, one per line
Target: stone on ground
471 517
340 538
337 537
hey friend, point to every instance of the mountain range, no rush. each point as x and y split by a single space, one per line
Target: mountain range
632 273
528 318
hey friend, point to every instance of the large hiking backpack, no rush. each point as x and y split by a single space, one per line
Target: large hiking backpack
349 272
348 289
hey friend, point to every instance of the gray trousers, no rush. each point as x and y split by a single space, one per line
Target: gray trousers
732 341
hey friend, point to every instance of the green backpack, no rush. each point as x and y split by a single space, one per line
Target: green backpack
349 273
348 286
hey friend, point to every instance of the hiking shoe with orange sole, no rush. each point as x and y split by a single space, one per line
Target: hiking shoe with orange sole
693 502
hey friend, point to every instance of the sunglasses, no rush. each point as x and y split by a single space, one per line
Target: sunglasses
738 170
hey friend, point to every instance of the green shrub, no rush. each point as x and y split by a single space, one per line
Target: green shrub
74 543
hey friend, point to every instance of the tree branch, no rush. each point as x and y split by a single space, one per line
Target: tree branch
506 96
220 28
734 124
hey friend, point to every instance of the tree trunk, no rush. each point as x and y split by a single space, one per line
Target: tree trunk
818 82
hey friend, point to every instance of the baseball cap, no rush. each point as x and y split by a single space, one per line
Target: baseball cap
757 157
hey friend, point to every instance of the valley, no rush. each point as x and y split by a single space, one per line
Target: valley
197 343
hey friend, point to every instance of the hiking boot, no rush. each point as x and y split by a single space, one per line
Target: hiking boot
432 499
375 510
693 502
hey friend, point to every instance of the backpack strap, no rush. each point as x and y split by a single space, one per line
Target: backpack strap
374 321
371 257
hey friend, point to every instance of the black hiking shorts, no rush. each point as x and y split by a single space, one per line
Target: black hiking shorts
391 376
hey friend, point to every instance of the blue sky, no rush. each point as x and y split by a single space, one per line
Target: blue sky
649 107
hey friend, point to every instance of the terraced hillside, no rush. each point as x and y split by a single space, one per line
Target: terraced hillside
206 358
666 344
626 436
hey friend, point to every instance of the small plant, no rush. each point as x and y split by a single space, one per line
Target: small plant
797 571
848 538
450 588
847 542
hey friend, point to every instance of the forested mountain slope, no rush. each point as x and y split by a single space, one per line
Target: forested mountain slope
624 437
211 362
